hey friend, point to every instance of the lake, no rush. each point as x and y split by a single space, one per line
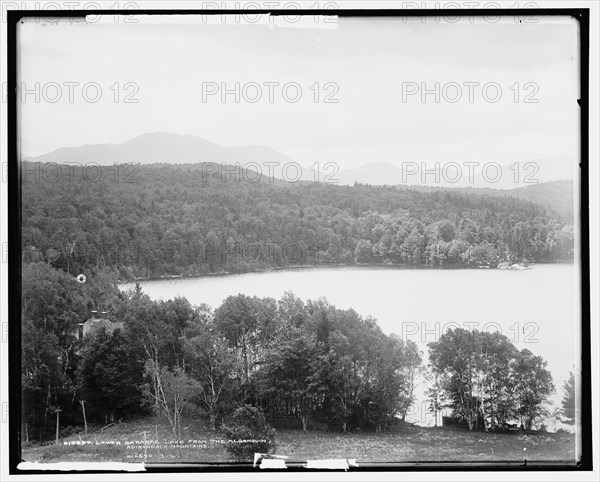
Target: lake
538 309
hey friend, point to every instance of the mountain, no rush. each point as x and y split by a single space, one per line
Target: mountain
165 147
509 176
529 173
159 147
375 173
169 148
384 173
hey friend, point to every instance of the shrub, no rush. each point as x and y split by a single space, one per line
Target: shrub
248 432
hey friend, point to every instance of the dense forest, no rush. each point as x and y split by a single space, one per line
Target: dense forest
556 195
169 220
305 361
305 364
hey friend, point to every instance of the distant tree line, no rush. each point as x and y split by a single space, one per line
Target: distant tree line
305 361
177 220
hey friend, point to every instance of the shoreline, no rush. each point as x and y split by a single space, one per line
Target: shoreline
223 274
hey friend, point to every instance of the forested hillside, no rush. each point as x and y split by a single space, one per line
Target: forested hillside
161 220
558 196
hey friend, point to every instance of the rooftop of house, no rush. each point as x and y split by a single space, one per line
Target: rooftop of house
95 323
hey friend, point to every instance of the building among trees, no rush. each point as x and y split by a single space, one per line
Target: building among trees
95 323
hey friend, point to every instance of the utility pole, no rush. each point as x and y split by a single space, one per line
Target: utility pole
84 418
58 410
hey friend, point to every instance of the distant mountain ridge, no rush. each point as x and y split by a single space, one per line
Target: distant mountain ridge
165 147
169 148
462 174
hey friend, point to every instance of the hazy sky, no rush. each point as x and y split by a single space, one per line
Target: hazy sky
369 64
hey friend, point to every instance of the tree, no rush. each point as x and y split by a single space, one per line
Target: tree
495 355
110 380
247 323
436 398
411 367
212 363
387 396
533 388
446 230
363 253
291 311
42 378
156 329
53 304
487 379
175 391
248 433
568 405
287 377
452 357
236 320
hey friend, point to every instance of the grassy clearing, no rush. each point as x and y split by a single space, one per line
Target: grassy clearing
426 444
409 444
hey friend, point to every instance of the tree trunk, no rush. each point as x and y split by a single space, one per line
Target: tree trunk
57 424
482 410
84 417
178 432
246 369
492 413
213 419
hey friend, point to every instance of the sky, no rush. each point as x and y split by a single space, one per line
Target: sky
376 69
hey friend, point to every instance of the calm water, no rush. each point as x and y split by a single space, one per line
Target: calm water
538 309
